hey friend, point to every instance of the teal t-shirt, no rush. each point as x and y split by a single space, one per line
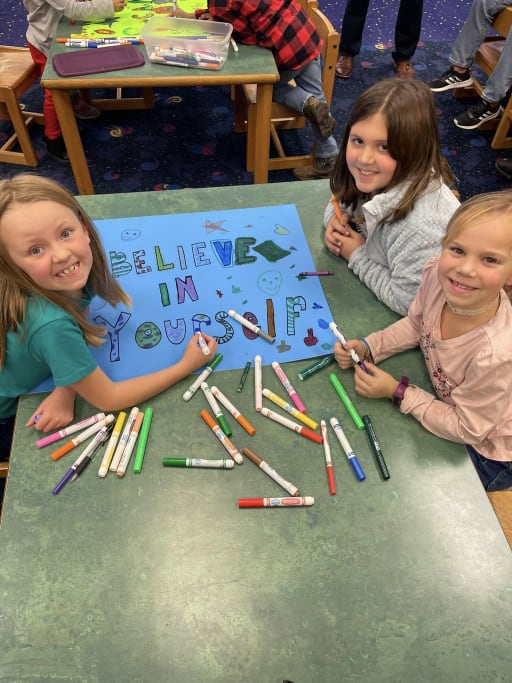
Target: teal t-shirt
49 342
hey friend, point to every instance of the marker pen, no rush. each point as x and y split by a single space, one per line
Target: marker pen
111 446
286 485
50 438
294 501
328 461
375 446
258 381
352 458
228 445
303 431
351 409
219 415
127 453
251 326
143 439
243 378
121 444
198 462
83 436
202 377
242 421
290 409
339 336
288 386
316 366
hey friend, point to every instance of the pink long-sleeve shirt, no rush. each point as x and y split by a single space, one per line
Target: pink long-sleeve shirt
471 374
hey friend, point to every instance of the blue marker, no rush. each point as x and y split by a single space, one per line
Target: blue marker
352 458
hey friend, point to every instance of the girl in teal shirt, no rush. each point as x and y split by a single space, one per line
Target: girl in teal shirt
51 264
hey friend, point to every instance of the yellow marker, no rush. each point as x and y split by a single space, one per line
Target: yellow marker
290 409
107 458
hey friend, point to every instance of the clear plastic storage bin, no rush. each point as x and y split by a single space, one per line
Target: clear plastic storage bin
187 42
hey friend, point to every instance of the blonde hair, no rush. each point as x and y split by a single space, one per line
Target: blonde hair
478 207
16 286
408 109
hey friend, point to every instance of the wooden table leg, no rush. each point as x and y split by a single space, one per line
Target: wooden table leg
262 132
67 121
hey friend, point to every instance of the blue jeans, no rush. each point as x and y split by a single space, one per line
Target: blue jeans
471 36
308 82
496 475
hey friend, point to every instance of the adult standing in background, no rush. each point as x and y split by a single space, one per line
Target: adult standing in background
407 35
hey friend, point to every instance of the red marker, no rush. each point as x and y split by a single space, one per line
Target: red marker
296 501
328 462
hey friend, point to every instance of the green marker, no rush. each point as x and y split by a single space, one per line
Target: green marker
143 439
244 376
346 401
316 366
198 462
202 377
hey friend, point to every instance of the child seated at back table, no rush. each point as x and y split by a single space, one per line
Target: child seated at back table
283 27
51 265
393 184
43 18
461 319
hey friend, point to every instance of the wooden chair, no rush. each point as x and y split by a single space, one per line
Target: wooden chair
4 469
17 74
486 58
282 117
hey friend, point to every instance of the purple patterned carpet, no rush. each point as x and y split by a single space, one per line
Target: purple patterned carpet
184 142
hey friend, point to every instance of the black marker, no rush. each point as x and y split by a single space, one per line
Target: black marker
375 446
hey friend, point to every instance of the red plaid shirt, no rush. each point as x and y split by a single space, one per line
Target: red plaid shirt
280 25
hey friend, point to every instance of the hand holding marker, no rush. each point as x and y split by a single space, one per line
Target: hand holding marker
339 336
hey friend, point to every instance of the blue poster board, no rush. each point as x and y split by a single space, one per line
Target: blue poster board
184 272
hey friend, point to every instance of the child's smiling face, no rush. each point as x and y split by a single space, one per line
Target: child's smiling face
49 243
477 262
368 157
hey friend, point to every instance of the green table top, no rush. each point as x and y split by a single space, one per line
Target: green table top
160 577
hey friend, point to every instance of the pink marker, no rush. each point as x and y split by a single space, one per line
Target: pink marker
50 438
288 386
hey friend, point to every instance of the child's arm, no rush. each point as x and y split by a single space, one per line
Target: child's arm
106 395
93 9
55 411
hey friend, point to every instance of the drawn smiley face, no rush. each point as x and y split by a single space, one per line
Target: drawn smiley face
270 282
130 235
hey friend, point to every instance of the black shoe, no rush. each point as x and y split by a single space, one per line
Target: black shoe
56 148
504 166
318 112
450 80
477 114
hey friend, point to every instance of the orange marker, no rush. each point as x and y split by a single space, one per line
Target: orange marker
242 421
83 436
228 445
337 209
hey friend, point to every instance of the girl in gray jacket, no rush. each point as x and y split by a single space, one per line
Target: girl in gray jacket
391 190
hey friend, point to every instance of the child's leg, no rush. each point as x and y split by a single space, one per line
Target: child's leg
496 475
308 84
51 122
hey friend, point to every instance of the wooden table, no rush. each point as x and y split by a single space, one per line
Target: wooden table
160 578
249 65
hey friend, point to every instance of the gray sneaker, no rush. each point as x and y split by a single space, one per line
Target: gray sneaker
322 168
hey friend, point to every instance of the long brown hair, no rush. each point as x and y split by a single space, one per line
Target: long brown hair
413 141
16 286
474 209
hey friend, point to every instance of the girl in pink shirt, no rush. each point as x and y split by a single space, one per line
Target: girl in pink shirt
461 319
